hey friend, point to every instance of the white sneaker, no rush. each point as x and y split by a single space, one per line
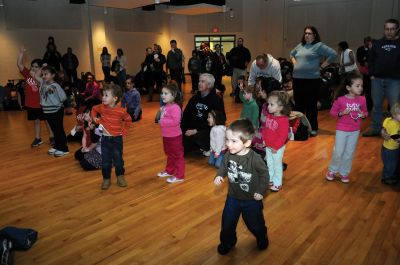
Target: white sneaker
173 180
163 174
51 151
207 153
59 153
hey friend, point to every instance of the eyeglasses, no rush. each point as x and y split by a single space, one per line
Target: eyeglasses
308 33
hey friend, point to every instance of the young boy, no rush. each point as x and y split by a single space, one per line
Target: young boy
248 181
114 122
32 98
250 108
131 100
194 66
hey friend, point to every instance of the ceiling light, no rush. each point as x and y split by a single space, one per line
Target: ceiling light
1 3
157 2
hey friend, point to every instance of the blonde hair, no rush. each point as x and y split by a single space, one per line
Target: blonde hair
395 109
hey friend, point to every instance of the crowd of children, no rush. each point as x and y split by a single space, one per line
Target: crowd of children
249 152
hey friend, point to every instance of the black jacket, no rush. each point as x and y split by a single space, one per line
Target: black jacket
384 59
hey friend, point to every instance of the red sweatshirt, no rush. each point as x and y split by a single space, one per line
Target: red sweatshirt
276 131
115 120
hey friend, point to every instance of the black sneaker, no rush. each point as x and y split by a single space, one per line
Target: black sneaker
36 142
262 244
224 249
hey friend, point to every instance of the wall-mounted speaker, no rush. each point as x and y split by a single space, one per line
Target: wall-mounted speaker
77 1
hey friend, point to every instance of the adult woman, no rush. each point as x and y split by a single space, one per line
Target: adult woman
122 61
92 94
347 58
105 59
306 58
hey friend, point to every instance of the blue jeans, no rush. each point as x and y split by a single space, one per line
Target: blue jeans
216 161
111 153
390 159
381 88
253 216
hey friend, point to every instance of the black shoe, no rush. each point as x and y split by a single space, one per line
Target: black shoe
262 244
224 249
284 166
389 181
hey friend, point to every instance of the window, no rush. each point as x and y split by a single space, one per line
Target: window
227 42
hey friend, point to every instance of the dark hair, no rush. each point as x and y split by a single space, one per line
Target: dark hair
368 38
174 89
283 100
50 69
393 21
129 77
218 116
244 127
104 52
269 84
194 52
115 90
120 50
317 38
172 41
343 45
347 80
39 62
241 77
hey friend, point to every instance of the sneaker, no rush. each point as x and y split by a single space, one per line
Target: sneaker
174 180
224 249
275 188
163 174
330 176
207 153
106 184
51 151
59 153
370 133
344 179
263 243
121 181
51 141
271 184
36 142
313 133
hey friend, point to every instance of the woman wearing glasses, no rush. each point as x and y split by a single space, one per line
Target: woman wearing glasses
306 58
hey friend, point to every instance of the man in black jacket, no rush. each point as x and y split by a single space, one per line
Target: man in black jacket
384 69
195 128
70 63
238 58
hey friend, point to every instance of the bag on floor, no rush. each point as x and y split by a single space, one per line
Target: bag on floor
21 238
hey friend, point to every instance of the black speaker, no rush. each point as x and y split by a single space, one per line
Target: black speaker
76 1
149 8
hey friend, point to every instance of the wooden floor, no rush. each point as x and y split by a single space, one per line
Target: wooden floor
310 221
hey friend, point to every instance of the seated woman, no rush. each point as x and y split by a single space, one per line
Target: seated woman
92 94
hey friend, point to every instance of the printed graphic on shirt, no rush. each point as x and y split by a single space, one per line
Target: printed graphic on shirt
237 175
271 124
354 110
389 47
201 109
33 84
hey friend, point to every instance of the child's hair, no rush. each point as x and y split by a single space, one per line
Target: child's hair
174 89
251 89
115 90
282 99
241 77
269 84
245 129
395 109
218 116
50 69
129 77
39 62
347 80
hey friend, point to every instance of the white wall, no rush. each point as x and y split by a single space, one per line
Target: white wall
272 26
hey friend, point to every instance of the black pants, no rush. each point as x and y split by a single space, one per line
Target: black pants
55 121
201 140
72 75
367 90
176 74
106 71
305 93
195 81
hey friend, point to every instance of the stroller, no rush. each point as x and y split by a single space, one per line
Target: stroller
330 80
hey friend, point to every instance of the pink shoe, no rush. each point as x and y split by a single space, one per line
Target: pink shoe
330 176
275 188
344 179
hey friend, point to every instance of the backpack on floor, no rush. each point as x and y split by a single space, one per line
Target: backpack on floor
21 238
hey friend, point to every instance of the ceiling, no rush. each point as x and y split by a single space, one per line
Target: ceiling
124 4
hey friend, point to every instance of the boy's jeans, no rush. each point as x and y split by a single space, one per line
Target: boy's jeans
111 153
390 159
216 161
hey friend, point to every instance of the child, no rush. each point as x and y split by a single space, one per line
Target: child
52 98
246 173
86 140
350 108
275 135
91 159
114 122
170 123
32 97
240 85
216 120
250 108
131 100
390 148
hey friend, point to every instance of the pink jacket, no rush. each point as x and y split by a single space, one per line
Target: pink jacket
350 122
170 120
